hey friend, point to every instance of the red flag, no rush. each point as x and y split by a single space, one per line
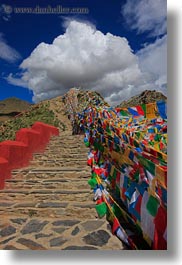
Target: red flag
115 225
140 110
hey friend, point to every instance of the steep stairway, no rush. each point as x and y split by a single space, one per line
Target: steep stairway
49 204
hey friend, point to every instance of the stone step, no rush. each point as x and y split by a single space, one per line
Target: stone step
59 163
34 181
68 135
62 176
39 203
65 152
67 148
69 138
48 195
49 184
65 140
58 169
49 204
50 170
61 160
66 143
73 213
45 204
67 157
40 176
43 191
72 157
47 208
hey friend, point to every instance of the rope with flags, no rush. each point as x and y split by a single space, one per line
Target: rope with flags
128 154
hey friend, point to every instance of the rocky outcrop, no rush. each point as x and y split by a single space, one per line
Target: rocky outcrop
147 96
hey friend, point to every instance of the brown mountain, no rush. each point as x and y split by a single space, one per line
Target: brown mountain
13 104
11 107
53 111
147 96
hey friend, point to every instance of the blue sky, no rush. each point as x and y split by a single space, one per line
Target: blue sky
138 62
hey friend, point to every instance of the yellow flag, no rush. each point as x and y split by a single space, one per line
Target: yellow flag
151 110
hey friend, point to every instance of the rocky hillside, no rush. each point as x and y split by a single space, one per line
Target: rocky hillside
81 99
43 112
10 107
13 105
54 111
147 96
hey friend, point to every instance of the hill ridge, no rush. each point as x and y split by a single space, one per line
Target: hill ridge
145 97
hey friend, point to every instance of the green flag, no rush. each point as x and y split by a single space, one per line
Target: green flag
152 205
108 130
101 209
114 173
117 211
144 109
87 144
123 113
92 182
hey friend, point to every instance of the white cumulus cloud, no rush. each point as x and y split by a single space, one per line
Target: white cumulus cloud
87 58
146 16
153 62
8 53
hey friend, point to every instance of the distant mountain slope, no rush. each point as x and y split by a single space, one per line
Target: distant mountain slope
147 96
42 111
53 111
13 104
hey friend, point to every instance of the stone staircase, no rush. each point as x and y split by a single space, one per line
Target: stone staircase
49 204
